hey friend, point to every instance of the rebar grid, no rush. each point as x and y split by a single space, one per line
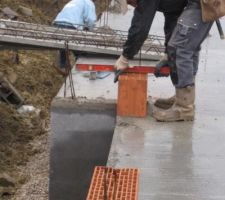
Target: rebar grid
99 37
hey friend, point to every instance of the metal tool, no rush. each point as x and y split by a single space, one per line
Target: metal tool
69 73
220 29
98 63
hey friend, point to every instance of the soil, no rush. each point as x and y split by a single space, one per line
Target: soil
24 150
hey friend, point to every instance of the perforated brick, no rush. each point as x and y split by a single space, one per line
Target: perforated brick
114 184
132 95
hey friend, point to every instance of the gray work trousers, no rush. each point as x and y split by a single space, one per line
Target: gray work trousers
184 46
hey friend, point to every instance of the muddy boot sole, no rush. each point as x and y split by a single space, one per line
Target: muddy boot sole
165 103
176 120
172 115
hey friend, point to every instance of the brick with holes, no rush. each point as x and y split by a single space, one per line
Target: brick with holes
114 184
132 95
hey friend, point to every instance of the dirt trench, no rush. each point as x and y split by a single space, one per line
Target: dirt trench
24 151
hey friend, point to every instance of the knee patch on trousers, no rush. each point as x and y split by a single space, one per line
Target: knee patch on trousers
172 63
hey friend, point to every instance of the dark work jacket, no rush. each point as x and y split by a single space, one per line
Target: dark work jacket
142 20
172 6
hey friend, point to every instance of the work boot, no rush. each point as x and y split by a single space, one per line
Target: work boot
182 109
166 103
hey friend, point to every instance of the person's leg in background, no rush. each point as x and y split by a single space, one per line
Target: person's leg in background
182 52
62 53
62 59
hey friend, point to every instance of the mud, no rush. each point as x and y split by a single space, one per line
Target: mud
38 82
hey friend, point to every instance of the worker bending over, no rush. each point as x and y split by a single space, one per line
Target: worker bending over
182 50
144 14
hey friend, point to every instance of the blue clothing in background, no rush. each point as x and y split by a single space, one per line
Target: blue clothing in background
77 13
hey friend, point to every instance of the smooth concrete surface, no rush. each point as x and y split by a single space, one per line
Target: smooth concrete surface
99 89
80 140
182 160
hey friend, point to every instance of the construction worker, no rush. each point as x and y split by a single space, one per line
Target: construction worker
192 28
76 14
141 23
182 50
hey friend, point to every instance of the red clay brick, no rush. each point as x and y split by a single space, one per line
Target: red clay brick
132 95
121 184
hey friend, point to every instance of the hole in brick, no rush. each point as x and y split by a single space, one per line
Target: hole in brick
126 185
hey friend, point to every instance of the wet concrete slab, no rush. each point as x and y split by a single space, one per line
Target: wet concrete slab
183 160
178 161
100 89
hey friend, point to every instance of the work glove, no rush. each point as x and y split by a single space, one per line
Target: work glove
164 62
120 66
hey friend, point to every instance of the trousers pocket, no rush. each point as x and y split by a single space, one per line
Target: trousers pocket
184 30
186 27
190 19
180 36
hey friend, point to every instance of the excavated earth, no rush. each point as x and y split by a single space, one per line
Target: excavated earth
24 150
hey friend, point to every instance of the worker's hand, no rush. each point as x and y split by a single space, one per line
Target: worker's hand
120 66
121 63
164 62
